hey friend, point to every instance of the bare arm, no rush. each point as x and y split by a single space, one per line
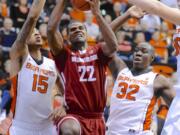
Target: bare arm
19 49
55 39
109 37
131 12
160 9
116 65
164 88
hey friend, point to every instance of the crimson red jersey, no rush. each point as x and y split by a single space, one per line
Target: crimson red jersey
83 73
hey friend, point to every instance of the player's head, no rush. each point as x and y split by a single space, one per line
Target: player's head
35 39
143 56
77 33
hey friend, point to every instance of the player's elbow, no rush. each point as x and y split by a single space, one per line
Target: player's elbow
114 45
113 48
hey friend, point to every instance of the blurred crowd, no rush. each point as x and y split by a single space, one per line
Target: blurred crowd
150 29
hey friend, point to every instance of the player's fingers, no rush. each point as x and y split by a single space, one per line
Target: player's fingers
90 2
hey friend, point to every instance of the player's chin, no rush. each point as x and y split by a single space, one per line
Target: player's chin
38 44
137 64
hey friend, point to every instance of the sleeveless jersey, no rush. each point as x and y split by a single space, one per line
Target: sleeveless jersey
132 103
33 89
83 73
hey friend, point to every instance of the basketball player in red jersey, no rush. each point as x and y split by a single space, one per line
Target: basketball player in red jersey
82 69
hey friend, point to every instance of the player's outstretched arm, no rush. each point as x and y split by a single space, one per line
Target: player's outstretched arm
133 11
19 49
160 9
164 88
55 39
107 33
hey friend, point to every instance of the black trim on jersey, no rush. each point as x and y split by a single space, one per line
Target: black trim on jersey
39 62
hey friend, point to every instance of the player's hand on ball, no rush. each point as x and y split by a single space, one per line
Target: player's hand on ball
95 6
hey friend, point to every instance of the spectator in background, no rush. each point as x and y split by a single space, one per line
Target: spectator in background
139 38
151 22
160 47
92 28
19 12
107 8
7 36
3 8
125 46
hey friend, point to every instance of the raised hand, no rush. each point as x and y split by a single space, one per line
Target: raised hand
136 12
95 6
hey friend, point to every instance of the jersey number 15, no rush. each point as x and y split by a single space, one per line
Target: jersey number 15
40 83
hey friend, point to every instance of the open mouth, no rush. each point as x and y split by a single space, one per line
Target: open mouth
38 39
137 59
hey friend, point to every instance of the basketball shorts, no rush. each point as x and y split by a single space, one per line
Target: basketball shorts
92 124
22 130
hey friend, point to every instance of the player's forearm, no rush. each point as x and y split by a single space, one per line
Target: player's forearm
119 21
151 6
56 15
55 39
28 25
108 35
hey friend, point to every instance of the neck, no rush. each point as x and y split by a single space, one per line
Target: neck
35 53
138 71
79 46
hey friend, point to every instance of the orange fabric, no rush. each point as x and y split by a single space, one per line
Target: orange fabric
132 22
2 81
14 93
162 112
4 10
77 15
148 118
45 44
165 70
160 47
120 1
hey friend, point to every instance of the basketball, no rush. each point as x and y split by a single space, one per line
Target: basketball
81 4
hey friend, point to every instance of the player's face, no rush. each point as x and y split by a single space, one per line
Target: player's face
35 39
142 56
77 33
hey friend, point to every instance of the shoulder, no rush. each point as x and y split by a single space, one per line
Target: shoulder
48 60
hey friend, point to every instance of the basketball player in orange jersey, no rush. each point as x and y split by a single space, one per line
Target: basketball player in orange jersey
172 123
135 93
82 69
33 77
135 90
